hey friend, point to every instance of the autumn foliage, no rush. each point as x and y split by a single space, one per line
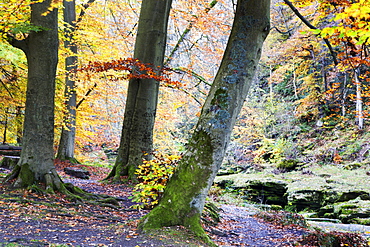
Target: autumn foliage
134 69
153 176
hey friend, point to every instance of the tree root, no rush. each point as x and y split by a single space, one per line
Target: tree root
75 193
52 183
160 217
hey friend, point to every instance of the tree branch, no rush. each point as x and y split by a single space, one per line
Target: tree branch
83 11
86 94
186 31
20 44
308 24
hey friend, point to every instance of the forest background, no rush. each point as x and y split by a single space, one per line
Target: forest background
306 92
300 85
308 105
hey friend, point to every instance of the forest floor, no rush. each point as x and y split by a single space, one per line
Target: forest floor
29 219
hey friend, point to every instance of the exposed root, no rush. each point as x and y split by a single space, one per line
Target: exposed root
52 183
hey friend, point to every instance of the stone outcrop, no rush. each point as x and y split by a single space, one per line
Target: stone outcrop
268 192
318 195
271 192
355 211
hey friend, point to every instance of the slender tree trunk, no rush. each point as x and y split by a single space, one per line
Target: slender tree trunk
41 48
67 137
19 123
142 95
186 191
359 111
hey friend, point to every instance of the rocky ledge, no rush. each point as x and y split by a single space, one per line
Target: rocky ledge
316 195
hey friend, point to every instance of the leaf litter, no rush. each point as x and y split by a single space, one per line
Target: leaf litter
30 219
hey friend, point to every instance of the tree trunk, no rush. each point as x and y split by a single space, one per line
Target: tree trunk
186 191
36 164
142 95
67 137
359 111
19 123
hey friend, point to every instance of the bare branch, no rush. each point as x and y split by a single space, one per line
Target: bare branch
308 24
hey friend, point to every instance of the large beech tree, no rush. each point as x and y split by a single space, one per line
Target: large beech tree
142 95
186 191
41 48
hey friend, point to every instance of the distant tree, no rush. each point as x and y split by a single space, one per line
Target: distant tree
66 148
41 48
142 95
68 135
184 197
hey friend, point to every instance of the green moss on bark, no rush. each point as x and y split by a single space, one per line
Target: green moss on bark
26 175
182 205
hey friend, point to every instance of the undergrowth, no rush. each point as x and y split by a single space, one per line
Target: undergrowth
153 176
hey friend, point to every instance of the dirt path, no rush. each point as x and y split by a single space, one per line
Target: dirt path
28 219
241 228
35 220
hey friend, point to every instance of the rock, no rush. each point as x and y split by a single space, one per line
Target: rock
287 165
266 192
350 195
111 153
8 162
224 184
305 199
77 172
353 211
324 195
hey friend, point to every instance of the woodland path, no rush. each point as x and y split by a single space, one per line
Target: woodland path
28 219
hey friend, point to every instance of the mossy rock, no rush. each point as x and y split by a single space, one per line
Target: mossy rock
305 199
326 212
361 221
350 195
9 162
352 211
288 165
352 166
267 192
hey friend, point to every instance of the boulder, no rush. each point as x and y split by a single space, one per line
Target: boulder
354 211
9 162
333 198
266 192
77 172
111 153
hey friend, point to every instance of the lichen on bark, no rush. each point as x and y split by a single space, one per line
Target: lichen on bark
184 197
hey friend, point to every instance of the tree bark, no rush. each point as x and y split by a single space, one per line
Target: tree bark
359 110
142 95
68 134
186 191
36 163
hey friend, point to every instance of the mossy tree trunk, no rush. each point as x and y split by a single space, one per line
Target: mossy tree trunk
36 163
142 95
68 134
186 191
